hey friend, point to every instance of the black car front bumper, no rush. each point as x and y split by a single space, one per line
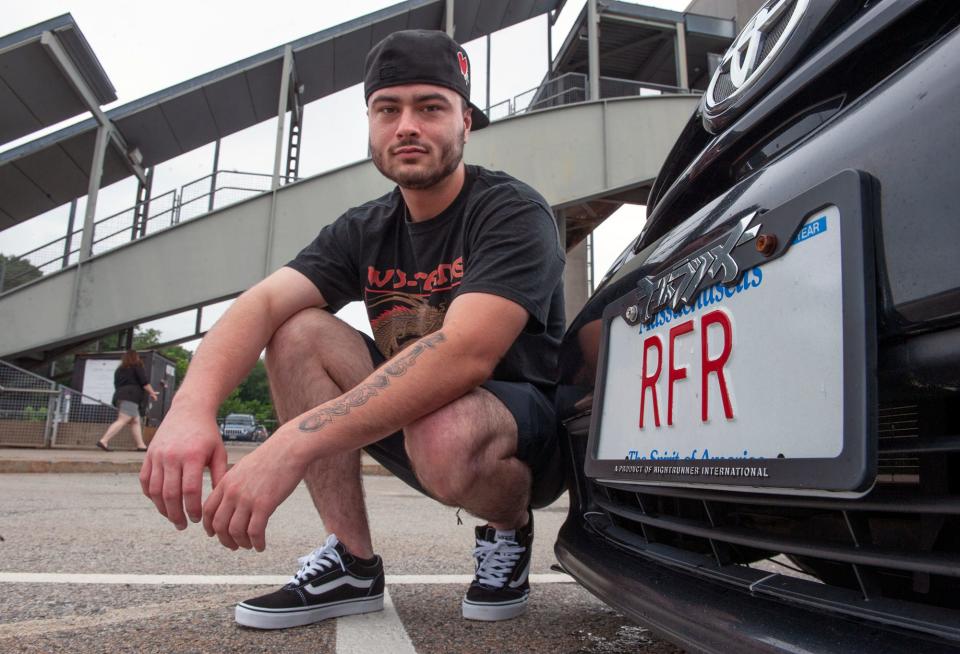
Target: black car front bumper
700 615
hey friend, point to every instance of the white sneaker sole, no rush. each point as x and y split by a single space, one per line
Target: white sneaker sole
260 618
494 612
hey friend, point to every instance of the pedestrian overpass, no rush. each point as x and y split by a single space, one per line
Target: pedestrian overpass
586 158
606 151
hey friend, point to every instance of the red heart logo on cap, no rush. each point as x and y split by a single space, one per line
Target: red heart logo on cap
464 66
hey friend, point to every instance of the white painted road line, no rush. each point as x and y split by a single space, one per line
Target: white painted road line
381 631
232 580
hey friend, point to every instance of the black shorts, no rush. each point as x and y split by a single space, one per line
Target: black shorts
531 407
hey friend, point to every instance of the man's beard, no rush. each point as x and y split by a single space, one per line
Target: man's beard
451 153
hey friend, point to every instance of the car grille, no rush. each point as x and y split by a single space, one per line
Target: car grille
891 557
899 430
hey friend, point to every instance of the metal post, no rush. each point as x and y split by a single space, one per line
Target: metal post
551 18
295 132
282 113
55 406
93 188
141 207
144 193
590 267
488 74
68 241
293 153
58 53
213 177
449 18
286 74
681 51
3 272
49 428
593 49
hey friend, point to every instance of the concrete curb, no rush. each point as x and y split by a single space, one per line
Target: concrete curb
82 460
40 466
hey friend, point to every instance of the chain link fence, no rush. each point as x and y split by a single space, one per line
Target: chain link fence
37 412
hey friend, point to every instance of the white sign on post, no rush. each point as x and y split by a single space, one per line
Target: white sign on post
98 380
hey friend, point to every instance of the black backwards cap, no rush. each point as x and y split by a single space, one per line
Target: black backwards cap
420 57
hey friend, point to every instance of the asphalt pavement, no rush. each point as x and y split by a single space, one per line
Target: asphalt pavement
87 565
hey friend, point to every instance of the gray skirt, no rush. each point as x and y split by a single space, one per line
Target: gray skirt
129 408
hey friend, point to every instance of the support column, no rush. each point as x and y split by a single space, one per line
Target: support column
296 131
488 74
55 49
282 113
593 49
213 175
93 189
68 241
591 268
550 20
448 15
141 211
683 80
126 339
575 282
286 74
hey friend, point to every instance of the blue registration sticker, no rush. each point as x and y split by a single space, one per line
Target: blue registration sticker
810 230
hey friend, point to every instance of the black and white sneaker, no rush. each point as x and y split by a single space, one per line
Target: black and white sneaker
500 586
330 583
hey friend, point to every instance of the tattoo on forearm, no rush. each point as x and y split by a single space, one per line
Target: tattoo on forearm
372 387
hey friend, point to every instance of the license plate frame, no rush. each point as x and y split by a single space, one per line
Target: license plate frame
851 471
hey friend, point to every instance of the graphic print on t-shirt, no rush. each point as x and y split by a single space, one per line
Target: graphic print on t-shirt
406 306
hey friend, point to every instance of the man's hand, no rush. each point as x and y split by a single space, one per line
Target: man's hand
172 473
240 505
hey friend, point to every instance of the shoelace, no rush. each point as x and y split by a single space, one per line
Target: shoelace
496 560
323 558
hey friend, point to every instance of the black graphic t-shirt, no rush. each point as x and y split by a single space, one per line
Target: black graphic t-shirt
498 237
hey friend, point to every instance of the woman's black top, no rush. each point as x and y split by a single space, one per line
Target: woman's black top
129 383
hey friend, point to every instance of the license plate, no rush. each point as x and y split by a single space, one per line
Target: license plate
761 384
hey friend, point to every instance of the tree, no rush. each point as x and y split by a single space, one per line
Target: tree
256 387
251 396
17 271
148 339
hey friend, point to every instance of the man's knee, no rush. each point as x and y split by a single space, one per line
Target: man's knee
443 455
296 337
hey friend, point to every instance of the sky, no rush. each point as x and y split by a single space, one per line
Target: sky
148 46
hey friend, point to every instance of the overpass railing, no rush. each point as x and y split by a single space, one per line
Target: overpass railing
574 87
193 199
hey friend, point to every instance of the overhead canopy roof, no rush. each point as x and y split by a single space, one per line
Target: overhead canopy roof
637 43
46 173
34 91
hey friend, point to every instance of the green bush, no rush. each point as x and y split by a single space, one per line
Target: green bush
35 414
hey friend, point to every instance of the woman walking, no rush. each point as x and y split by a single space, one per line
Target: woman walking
130 381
